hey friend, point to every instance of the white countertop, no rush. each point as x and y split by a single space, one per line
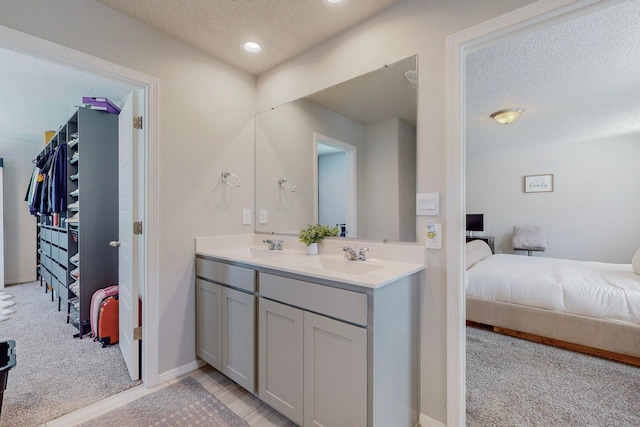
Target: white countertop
386 262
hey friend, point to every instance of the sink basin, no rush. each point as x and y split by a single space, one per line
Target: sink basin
253 252
339 266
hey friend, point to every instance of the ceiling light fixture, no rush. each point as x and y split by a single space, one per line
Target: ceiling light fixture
334 1
252 47
507 116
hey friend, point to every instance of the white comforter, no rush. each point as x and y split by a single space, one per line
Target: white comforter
595 289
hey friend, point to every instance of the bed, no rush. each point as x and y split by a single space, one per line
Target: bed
586 306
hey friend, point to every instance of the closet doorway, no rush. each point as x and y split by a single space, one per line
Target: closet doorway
144 166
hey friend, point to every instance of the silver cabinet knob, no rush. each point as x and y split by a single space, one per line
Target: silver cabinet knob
114 243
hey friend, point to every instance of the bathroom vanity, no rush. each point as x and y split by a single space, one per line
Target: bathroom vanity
322 340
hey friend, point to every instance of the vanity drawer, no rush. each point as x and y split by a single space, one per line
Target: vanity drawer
226 274
333 302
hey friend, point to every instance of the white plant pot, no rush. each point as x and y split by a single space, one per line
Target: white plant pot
312 249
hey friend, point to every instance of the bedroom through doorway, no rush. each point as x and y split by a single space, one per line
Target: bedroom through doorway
554 81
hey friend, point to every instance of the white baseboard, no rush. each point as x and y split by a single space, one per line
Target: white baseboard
430 422
180 370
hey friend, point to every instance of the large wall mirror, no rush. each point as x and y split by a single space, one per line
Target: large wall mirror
343 156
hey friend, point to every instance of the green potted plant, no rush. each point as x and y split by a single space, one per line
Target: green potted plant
313 234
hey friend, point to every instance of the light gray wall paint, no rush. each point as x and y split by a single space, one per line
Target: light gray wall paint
284 149
203 133
407 28
407 168
379 195
19 225
332 189
206 112
593 212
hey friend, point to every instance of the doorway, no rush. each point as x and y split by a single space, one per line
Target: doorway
146 167
458 45
335 187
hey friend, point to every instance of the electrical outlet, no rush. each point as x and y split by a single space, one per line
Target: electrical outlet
246 216
263 216
434 235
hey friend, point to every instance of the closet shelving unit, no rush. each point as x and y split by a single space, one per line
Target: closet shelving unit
90 263
52 254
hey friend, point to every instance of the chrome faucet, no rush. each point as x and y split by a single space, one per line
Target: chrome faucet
350 254
273 246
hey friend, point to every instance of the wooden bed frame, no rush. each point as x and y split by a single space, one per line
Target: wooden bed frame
603 338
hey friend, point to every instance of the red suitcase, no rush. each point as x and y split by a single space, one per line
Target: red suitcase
108 321
96 302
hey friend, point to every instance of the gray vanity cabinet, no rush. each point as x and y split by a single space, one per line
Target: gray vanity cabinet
328 353
312 369
335 373
280 358
209 319
226 320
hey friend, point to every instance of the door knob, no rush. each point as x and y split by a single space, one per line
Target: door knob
114 243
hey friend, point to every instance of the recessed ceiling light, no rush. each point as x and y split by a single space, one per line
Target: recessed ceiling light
252 47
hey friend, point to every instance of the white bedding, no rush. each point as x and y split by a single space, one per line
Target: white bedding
595 289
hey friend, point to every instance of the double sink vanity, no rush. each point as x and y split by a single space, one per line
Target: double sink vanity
323 340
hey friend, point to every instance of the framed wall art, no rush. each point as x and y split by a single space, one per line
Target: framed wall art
538 183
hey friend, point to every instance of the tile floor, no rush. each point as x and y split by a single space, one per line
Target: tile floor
240 401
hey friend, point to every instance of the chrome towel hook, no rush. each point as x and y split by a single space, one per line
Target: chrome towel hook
230 179
282 182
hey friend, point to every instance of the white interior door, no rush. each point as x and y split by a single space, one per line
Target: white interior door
128 260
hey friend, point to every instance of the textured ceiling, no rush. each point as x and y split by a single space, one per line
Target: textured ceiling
578 80
36 96
284 28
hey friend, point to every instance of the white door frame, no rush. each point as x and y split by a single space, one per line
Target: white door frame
528 18
351 156
147 167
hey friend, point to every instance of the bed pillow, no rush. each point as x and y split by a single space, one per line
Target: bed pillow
477 250
635 261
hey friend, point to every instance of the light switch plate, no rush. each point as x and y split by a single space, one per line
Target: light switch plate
246 216
263 216
428 204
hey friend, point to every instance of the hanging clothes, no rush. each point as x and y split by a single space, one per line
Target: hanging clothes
37 193
58 184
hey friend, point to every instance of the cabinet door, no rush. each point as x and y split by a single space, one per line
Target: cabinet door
280 348
238 337
335 373
209 322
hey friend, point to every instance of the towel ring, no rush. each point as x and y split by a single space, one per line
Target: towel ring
225 178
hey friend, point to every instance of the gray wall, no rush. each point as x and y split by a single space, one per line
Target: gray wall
19 225
593 212
196 144
410 27
206 112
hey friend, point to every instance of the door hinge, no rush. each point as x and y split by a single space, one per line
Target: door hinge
137 227
137 333
137 122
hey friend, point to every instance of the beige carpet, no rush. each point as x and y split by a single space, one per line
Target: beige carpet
55 373
513 382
